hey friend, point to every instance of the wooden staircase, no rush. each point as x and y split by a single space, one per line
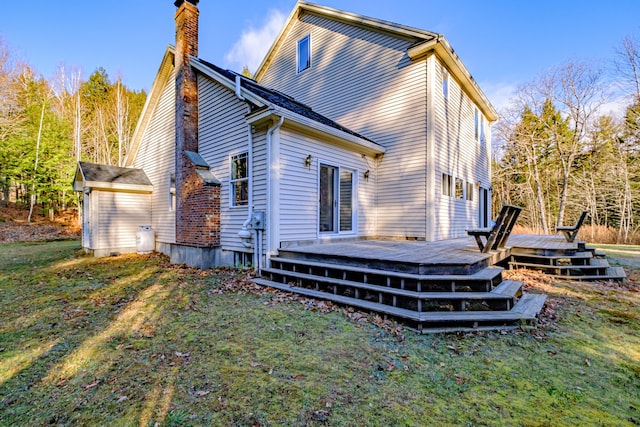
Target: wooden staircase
470 298
578 263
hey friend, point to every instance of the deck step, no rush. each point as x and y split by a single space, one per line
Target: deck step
423 298
500 292
530 304
511 288
425 321
579 258
611 273
595 267
488 273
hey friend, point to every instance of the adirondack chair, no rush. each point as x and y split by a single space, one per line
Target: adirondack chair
571 231
496 237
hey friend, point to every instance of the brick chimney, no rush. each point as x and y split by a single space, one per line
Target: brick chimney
197 201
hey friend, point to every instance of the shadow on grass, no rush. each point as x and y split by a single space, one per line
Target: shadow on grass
134 341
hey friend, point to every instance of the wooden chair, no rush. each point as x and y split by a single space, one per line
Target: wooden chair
496 237
571 231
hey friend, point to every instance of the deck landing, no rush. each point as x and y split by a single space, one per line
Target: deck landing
456 256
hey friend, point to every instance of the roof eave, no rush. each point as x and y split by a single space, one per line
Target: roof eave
223 80
440 46
112 186
311 126
153 98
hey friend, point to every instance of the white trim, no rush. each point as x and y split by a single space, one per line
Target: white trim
353 142
114 186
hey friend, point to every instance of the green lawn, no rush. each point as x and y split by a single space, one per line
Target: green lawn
133 341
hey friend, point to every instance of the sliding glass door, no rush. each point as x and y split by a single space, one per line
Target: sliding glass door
337 193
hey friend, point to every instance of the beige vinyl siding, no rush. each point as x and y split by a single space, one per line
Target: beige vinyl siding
364 80
117 217
156 157
223 133
457 153
299 185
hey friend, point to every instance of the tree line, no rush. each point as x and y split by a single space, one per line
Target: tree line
48 125
558 153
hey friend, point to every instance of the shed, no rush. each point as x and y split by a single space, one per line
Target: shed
115 202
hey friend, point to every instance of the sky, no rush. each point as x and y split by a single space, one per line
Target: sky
502 43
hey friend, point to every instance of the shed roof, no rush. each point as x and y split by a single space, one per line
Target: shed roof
95 175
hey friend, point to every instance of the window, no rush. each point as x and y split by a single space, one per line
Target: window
304 53
476 124
446 185
445 83
172 192
469 194
459 189
239 183
482 137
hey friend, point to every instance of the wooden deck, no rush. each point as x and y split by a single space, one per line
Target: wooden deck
455 256
441 286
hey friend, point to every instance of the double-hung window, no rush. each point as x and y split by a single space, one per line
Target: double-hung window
239 182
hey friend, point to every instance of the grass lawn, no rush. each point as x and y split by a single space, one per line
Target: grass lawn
133 341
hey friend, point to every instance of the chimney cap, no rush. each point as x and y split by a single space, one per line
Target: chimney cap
178 3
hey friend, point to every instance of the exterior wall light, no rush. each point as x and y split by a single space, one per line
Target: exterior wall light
307 161
366 175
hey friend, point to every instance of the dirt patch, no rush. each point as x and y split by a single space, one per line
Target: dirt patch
15 228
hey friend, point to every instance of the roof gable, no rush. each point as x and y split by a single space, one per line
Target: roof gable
423 43
414 34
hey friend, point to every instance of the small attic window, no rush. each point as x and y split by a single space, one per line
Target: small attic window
445 83
304 53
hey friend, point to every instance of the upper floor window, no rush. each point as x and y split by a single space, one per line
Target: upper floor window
239 182
445 83
476 124
304 53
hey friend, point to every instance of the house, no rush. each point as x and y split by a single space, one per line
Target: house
354 128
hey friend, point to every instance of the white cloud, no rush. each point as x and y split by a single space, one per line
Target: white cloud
255 42
499 94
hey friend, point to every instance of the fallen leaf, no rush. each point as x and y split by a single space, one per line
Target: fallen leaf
201 393
587 362
182 355
91 385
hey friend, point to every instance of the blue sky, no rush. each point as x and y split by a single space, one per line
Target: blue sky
502 43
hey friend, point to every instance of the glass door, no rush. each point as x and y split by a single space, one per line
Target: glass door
336 200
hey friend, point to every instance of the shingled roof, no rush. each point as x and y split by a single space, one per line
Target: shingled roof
95 175
280 99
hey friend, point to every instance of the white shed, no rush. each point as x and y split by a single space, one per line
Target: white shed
115 202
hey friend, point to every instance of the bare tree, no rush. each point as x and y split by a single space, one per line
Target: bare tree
627 63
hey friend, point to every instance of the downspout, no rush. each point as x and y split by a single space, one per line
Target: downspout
244 233
269 184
